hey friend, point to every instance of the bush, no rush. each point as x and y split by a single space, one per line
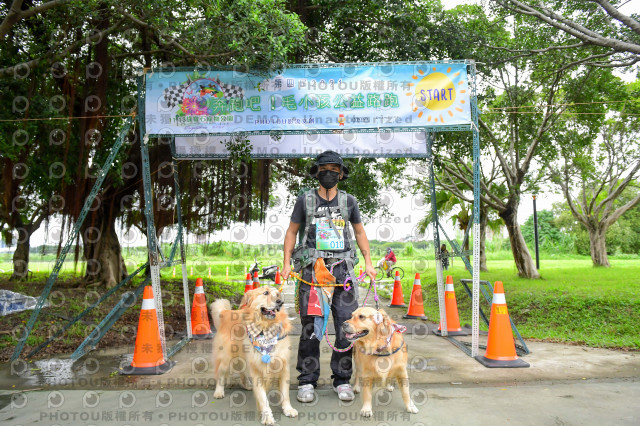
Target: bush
408 250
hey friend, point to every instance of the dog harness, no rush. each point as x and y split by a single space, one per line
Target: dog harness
304 256
397 328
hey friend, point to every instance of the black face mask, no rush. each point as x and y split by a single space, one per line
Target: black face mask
328 178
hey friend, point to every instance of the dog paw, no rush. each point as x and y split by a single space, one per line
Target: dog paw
356 388
366 412
412 408
290 412
218 394
267 418
389 388
246 385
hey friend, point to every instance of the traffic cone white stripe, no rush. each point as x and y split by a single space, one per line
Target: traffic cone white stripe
199 289
148 304
499 299
448 287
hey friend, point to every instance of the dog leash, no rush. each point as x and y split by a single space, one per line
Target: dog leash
347 287
326 331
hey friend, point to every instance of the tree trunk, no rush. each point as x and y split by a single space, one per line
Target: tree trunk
598 244
102 249
522 257
21 254
466 243
484 219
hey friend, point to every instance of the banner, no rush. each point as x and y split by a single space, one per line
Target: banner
308 98
348 144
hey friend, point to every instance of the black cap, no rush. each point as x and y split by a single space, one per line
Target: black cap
329 157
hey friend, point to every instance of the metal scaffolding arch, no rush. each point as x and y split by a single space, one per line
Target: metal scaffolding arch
156 260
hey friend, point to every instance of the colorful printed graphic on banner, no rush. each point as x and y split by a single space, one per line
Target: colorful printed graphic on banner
351 96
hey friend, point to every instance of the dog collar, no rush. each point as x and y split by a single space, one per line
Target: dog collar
392 352
263 345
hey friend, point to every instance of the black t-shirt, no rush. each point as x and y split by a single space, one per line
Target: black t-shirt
299 215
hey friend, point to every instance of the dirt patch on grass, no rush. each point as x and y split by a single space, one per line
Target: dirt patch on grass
70 296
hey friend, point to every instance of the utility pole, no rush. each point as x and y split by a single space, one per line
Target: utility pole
535 232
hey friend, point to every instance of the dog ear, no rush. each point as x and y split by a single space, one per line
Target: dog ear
247 298
384 323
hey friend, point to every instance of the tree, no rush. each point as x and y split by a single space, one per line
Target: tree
27 163
88 50
523 103
622 237
594 179
20 10
549 235
356 31
586 24
454 197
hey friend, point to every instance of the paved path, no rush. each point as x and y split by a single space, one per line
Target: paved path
565 384
574 403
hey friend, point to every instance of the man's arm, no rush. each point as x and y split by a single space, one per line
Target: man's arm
289 243
363 243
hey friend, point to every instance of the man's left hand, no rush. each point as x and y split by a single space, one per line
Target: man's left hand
370 271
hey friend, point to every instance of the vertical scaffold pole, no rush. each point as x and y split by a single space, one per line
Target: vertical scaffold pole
183 257
152 245
436 235
475 307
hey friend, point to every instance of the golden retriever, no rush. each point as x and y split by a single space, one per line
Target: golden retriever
379 355
260 309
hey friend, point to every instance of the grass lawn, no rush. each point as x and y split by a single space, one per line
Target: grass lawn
573 302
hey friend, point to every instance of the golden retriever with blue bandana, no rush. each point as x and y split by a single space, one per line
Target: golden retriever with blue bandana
257 333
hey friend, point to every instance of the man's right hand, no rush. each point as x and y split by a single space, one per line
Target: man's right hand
286 270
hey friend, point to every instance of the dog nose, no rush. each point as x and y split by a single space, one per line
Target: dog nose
344 327
279 302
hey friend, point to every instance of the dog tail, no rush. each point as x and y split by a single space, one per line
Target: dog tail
216 308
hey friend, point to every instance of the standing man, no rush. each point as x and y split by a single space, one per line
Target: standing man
323 215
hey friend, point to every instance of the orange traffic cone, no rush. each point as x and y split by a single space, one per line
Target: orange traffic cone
451 311
147 356
256 281
397 301
416 306
278 280
501 349
200 328
248 284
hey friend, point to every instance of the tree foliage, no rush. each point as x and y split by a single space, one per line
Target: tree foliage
610 37
594 178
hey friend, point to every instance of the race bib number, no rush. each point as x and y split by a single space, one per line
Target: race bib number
326 237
